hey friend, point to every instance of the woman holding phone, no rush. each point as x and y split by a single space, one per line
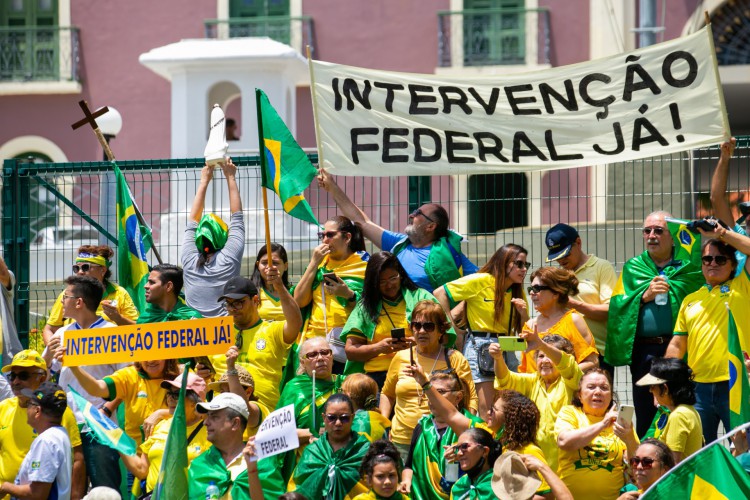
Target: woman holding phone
379 324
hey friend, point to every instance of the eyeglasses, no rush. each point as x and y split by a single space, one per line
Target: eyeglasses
428 326
86 267
537 288
173 394
419 212
327 234
69 297
22 376
344 418
657 230
323 353
235 304
719 259
645 462
392 279
520 264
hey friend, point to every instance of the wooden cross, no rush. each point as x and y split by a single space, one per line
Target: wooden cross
90 118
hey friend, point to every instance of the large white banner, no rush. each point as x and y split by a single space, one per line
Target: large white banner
657 100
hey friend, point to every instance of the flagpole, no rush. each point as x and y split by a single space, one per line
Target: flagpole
314 405
715 64
315 109
263 173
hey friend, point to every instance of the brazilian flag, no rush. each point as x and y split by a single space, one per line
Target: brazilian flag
711 474
739 388
133 242
105 431
285 168
172 482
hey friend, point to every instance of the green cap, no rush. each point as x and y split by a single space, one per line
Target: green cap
211 234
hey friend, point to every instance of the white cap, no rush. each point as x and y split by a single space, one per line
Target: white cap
225 400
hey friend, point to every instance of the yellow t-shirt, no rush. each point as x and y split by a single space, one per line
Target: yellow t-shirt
114 291
141 395
252 427
684 431
336 314
536 452
270 307
409 407
549 400
397 314
596 279
263 354
16 436
595 471
704 318
565 328
478 290
154 448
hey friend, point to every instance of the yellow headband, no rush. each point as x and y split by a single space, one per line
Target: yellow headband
93 259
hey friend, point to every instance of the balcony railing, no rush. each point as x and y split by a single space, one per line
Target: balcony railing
492 37
294 31
34 54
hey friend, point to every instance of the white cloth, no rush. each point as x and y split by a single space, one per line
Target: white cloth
5 390
50 460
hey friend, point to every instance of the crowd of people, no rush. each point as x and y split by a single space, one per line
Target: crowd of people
412 372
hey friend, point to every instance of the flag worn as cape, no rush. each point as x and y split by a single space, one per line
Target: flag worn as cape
285 168
133 242
481 489
172 483
210 466
371 424
739 388
710 474
625 304
105 431
155 314
330 475
658 423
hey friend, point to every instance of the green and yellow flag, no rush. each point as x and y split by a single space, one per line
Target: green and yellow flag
133 242
711 474
739 388
285 168
105 431
172 483
687 244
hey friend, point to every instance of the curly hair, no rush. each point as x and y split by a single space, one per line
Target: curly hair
521 421
593 371
560 342
561 281
498 266
381 451
362 390
102 251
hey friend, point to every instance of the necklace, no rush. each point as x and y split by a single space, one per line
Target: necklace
420 392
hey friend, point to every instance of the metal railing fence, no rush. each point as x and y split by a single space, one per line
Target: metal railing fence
40 53
297 32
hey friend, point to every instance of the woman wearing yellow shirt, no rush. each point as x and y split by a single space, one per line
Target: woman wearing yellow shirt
550 290
592 444
332 282
147 463
116 307
270 304
670 380
551 387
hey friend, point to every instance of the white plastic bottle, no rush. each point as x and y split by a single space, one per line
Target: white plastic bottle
212 492
663 298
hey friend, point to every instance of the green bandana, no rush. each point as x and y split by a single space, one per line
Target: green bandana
212 233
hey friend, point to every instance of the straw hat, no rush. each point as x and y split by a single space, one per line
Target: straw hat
512 480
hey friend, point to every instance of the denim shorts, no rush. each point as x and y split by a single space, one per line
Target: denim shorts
470 353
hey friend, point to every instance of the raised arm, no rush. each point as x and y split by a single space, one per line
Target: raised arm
97 388
303 291
199 202
230 171
501 368
719 183
372 231
441 407
737 240
292 313
442 297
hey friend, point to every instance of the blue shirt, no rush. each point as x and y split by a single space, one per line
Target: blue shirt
414 259
741 257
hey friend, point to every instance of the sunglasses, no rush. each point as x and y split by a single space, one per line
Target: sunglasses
522 265
86 267
344 418
327 234
657 230
537 288
463 447
419 212
22 376
323 353
644 462
719 259
428 326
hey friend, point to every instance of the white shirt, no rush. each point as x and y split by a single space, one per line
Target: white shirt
50 460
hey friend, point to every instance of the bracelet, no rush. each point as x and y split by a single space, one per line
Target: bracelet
426 386
106 411
353 298
233 371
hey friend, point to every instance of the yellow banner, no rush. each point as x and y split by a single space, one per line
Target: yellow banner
149 341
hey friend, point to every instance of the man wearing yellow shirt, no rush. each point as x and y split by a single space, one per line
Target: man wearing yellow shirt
702 326
263 345
27 371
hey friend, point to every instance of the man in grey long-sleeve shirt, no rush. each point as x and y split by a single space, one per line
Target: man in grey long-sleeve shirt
205 273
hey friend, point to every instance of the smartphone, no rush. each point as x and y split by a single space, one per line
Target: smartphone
398 334
625 415
512 343
330 277
203 360
411 356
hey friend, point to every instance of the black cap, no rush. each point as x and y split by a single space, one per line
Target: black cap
49 396
237 288
560 239
744 210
